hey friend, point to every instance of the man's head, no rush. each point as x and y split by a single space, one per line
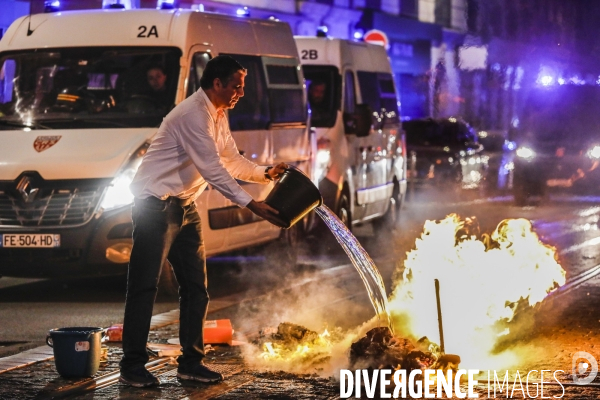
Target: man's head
316 92
223 81
157 78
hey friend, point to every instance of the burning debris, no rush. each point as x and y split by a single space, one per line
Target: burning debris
297 345
481 281
380 349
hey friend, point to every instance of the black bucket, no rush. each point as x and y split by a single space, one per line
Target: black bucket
294 196
76 350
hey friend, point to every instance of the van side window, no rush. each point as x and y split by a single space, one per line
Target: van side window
197 66
349 92
286 95
251 111
377 90
324 94
282 74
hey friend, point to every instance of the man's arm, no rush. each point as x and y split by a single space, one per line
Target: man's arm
197 140
196 136
243 169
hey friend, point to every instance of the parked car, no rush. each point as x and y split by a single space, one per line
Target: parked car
444 153
558 143
75 124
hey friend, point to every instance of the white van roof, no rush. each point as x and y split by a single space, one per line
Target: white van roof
339 52
148 27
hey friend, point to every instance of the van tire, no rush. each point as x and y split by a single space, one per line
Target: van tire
343 210
167 282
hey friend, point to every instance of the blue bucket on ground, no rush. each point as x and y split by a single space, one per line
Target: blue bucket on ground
294 195
76 350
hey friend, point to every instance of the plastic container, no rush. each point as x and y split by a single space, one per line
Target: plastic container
77 350
294 196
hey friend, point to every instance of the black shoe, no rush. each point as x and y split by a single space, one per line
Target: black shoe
198 372
138 377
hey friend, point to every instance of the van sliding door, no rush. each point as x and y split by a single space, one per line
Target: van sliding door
377 90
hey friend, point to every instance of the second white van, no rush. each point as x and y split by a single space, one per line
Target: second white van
361 157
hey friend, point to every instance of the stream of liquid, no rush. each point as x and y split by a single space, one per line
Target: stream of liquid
362 262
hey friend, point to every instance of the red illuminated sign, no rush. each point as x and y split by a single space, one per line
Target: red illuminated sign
376 36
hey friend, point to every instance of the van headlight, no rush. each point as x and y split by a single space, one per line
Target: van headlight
594 152
323 159
525 152
118 193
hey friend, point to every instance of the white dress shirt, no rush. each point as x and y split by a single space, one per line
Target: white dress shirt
194 147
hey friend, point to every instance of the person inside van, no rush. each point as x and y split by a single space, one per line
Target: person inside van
157 80
317 91
192 148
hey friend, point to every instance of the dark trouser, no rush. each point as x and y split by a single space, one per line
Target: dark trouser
164 230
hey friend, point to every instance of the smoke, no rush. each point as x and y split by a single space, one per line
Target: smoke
330 296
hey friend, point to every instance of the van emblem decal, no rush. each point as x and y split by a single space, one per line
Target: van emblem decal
42 143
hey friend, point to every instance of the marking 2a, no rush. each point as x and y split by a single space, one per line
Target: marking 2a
145 32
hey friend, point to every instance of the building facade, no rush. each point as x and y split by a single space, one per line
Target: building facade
474 59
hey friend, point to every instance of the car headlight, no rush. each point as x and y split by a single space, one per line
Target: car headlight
594 152
525 152
118 193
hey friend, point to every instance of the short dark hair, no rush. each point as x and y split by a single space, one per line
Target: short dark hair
156 66
222 67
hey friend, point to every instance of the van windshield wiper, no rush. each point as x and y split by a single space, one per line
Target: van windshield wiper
20 124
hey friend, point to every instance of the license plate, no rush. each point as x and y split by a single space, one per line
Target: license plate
30 240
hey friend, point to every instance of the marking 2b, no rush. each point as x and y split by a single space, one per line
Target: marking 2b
310 54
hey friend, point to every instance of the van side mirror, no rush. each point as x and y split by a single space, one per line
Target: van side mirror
363 118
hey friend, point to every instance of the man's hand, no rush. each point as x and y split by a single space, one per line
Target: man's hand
267 212
278 170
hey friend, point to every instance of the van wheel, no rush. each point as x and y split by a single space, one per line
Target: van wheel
167 282
343 210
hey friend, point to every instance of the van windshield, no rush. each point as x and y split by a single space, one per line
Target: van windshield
323 83
87 88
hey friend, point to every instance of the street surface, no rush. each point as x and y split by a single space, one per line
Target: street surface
323 291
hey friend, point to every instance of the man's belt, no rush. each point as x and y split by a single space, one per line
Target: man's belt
168 201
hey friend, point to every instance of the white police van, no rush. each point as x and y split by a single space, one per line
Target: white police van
77 115
361 158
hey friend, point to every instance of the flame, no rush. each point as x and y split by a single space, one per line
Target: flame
304 352
481 283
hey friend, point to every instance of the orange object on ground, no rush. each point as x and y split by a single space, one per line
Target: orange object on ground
115 333
218 331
